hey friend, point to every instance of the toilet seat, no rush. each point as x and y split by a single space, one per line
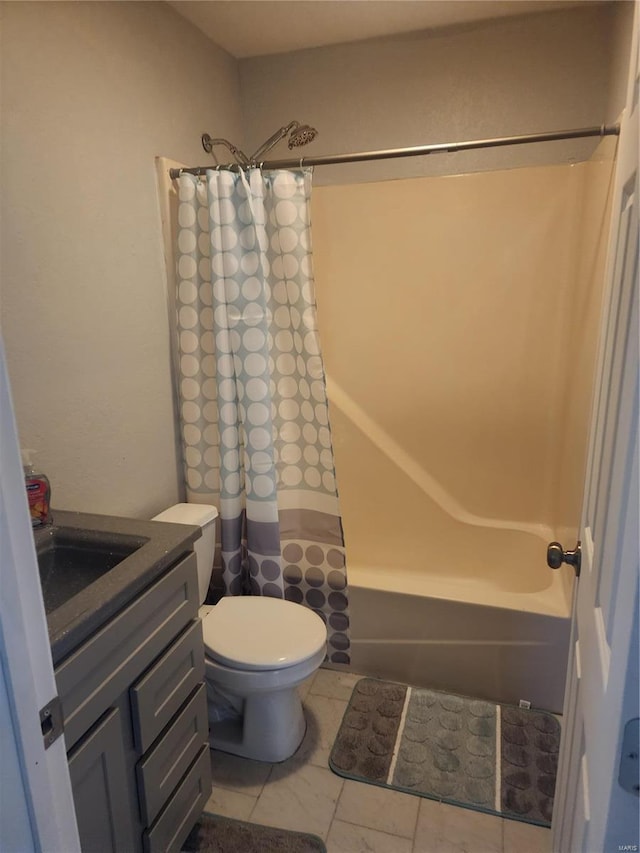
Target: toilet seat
260 633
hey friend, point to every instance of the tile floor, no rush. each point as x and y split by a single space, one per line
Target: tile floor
351 817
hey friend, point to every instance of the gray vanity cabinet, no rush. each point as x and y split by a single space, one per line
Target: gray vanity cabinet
135 714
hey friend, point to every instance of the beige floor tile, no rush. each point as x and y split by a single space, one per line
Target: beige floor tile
324 717
378 808
525 838
349 838
306 686
238 774
230 804
450 829
299 797
334 684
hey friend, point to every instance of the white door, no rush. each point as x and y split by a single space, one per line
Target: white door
36 803
594 812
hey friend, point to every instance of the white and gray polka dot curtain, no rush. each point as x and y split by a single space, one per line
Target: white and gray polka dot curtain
255 425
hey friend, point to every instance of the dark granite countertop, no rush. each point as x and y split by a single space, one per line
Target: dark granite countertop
158 545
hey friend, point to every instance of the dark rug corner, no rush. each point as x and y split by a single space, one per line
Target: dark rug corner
216 834
468 752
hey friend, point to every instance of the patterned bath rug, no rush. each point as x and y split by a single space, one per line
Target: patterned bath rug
216 834
467 752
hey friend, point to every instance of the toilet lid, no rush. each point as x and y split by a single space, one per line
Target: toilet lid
257 632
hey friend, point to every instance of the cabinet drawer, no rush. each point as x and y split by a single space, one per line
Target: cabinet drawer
166 764
180 814
92 678
161 691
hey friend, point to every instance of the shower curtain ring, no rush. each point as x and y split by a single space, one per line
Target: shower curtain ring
301 159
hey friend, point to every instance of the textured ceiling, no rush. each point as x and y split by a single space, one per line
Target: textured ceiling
247 28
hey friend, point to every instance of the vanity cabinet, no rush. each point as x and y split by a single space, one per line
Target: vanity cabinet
135 721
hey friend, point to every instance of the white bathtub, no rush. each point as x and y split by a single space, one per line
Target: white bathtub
466 636
441 596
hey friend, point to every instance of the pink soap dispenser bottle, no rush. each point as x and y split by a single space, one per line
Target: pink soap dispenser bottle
38 491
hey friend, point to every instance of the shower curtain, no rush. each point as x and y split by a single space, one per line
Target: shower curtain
255 428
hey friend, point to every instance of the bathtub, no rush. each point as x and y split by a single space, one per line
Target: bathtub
465 636
441 596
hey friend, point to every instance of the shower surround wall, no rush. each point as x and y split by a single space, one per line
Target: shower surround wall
450 303
460 318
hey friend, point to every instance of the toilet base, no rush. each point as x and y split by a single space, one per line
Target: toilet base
271 728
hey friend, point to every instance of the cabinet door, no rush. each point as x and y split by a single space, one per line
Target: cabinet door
101 789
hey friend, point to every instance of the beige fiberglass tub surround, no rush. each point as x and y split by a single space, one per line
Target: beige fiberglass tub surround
462 314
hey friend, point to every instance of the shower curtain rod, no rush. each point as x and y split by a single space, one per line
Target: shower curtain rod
416 151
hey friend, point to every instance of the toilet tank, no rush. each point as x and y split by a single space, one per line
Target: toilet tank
204 516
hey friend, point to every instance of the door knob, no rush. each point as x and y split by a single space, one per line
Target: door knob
556 556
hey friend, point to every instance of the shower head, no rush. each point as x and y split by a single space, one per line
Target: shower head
301 134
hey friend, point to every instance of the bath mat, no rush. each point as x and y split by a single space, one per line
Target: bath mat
215 834
467 752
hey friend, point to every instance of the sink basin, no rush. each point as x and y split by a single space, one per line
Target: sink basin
70 560
92 566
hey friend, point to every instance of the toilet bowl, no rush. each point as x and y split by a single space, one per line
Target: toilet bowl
258 650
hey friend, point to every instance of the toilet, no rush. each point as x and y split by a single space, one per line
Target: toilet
258 650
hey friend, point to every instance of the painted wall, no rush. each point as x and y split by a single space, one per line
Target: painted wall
92 92
511 76
620 53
